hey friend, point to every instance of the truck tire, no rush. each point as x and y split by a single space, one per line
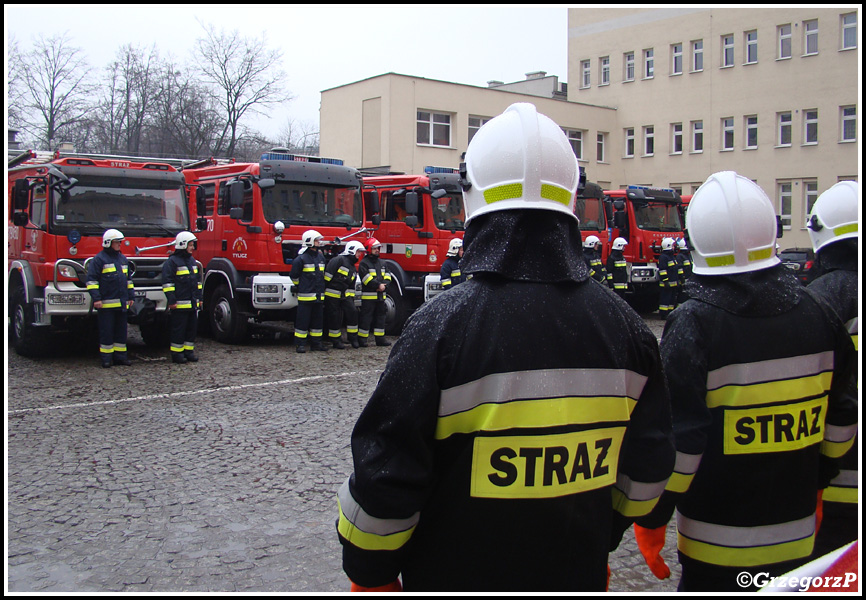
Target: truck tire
397 310
27 339
155 333
227 324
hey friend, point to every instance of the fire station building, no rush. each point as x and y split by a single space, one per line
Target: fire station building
656 96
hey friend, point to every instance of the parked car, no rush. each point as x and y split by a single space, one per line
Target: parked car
800 261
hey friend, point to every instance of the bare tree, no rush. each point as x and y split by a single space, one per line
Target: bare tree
245 76
301 137
15 85
56 89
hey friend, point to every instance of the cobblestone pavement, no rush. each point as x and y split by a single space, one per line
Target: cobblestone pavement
218 476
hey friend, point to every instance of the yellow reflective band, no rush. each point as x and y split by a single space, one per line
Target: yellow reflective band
371 541
744 557
343 271
503 192
92 286
631 508
836 449
840 494
183 271
555 193
679 482
111 304
850 228
543 412
309 268
168 288
855 341
109 269
760 254
762 393
545 466
720 261
369 277
777 428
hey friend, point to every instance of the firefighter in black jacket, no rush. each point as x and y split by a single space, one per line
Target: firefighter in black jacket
668 278
617 271
450 274
757 369
592 256
340 277
111 290
181 283
684 269
375 278
833 227
308 275
511 456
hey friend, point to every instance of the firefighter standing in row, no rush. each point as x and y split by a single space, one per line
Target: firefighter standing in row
375 277
109 282
684 268
668 278
617 270
450 274
510 457
340 275
592 256
181 283
308 275
834 230
757 368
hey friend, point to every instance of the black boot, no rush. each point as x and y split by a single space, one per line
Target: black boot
118 360
354 340
106 363
190 356
301 348
362 342
338 344
178 358
380 341
317 346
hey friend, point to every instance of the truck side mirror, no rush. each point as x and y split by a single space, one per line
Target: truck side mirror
21 194
236 213
412 221
376 219
375 206
200 200
236 194
620 220
20 219
201 224
412 204
779 229
267 183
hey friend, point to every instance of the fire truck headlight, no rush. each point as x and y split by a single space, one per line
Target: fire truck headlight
270 288
67 271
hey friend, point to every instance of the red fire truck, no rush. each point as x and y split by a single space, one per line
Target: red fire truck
59 207
420 215
643 216
254 217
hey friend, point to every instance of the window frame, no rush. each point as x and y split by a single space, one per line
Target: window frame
604 70
844 28
727 41
810 122
585 74
575 135
677 56
697 133
697 53
810 195
629 140
432 125
628 64
781 194
781 126
751 43
600 146
677 137
781 38
728 130
648 63
809 35
648 140
843 119
751 128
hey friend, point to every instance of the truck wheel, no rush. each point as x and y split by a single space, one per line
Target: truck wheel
227 324
26 338
397 310
155 333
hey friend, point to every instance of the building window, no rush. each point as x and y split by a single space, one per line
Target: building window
784 127
810 193
648 62
604 67
785 203
599 147
849 31
677 59
810 37
475 124
584 74
575 138
849 123
728 133
784 49
751 47
648 140
676 138
629 142
728 50
698 55
629 66
697 136
434 129
751 122
810 126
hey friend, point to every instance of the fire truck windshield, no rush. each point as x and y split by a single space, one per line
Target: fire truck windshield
147 207
448 211
590 213
657 216
313 204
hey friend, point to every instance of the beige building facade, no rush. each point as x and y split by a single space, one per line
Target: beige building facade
656 96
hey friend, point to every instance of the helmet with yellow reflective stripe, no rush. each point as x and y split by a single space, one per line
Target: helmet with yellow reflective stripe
520 159
834 216
731 225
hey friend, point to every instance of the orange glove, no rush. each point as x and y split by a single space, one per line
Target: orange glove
819 511
650 543
394 586
607 585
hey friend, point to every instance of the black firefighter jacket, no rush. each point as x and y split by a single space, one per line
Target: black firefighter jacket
109 279
757 368
181 280
308 275
521 423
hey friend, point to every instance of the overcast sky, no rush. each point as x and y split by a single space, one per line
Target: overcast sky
324 45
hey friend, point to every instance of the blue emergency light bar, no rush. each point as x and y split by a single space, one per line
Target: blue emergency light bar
433 170
301 158
646 187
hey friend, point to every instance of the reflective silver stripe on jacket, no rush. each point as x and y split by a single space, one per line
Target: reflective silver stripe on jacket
770 370
745 537
360 519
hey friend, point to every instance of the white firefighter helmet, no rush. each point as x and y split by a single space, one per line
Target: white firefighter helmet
353 247
591 242
454 247
111 235
834 216
681 244
668 244
181 242
520 159
619 243
732 226
309 238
